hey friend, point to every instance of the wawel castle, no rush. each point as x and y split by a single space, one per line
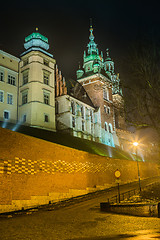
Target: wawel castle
33 92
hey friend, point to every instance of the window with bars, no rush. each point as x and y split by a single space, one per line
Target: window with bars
11 80
1 96
24 97
9 98
46 98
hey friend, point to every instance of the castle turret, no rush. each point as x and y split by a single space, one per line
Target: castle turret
37 83
108 64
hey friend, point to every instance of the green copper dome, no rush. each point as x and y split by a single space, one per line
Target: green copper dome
36 35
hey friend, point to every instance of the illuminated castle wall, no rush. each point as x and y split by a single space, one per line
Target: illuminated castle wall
42 98
8 87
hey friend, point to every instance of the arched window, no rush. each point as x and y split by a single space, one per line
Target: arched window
110 128
105 93
73 107
91 114
106 126
108 110
82 111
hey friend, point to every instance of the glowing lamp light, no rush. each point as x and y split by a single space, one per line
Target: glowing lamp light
135 144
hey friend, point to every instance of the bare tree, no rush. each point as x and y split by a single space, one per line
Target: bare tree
142 85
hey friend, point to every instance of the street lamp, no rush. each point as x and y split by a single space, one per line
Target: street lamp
136 145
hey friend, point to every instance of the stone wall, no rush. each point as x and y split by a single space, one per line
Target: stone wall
34 171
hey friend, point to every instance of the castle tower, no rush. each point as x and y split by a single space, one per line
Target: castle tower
98 84
37 83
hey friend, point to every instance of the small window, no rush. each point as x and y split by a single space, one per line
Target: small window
46 98
6 115
82 111
105 109
108 110
83 125
105 93
46 62
73 108
25 62
1 76
73 122
11 80
91 114
46 118
1 96
24 97
25 77
46 78
9 99
92 129
110 128
106 126
24 118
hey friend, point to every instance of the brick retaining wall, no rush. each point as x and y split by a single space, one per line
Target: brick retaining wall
34 171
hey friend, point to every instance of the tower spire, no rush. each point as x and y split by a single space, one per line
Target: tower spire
90 22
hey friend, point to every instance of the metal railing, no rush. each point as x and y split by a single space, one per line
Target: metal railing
122 196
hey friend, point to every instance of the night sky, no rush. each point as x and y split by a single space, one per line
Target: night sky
116 24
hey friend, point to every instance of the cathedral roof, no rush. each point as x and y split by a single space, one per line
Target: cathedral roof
76 90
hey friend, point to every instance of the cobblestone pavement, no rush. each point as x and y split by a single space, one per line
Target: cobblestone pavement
79 221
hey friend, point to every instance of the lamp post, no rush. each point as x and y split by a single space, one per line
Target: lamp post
136 144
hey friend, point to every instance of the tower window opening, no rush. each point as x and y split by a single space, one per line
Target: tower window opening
25 77
25 62
24 97
46 118
46 78
46 62
46 98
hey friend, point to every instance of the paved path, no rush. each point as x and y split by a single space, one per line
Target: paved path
79 221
